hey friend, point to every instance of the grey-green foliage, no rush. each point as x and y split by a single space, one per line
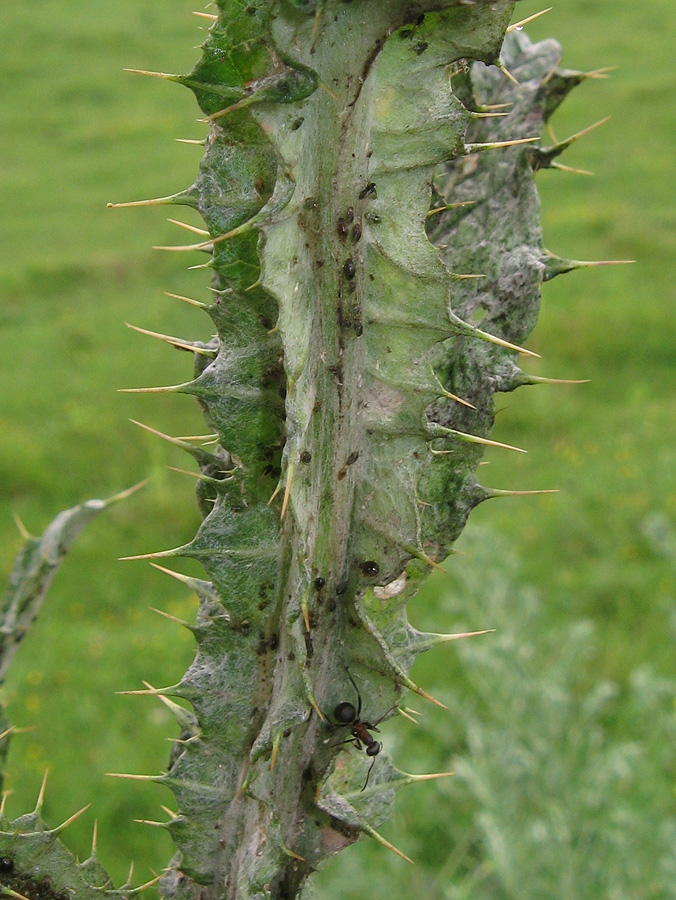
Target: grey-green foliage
553 803
561 791
350 391
33 861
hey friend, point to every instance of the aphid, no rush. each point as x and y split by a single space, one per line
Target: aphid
347 716
368 191
370 567
349 269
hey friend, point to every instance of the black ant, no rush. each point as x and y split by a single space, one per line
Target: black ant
346 715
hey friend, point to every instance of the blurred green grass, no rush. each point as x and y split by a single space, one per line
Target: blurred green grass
78 132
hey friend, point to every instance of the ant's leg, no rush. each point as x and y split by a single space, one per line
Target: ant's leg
349 740
382 718
356 689
368 774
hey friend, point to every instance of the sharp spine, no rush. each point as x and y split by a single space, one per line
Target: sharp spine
70 820
439 431
192 228
174 341
517 26
367 829
473 331
498 145
189 300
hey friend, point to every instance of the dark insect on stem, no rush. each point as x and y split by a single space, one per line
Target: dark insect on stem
345 715
368 191
349 269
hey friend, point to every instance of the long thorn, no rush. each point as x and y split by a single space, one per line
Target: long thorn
317 23
459 635
381 840
517 26
275 493
165 76
182 716
184 579
206 245
292 854
449 395
489 115
155 778
239 104
41 795
128 492
163 389
23 531
472 330
497 145
494 492
175 342
578 134
506 73
600 73
328 90
159 554
175 619
412 686
70 820
290 472
447 206
558 165
9 892
440 431
316 708
205 438
187 300
192 228
275 750
198 476
155 201
430 776
527 378
144 887
177 442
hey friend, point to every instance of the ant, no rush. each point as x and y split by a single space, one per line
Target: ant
346 715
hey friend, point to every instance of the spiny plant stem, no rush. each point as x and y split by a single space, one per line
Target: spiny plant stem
349 390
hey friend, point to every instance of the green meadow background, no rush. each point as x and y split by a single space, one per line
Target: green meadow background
561 725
